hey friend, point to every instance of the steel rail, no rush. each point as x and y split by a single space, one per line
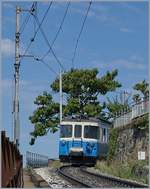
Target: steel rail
117 180
61 172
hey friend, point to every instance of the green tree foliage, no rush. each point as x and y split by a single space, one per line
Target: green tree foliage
136 98
117 104
45 117
83 87
143 88
112 144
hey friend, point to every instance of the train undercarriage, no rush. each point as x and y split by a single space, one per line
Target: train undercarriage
78 160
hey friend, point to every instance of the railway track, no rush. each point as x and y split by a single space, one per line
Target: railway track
64 171
87 179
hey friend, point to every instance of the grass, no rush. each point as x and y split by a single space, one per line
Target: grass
125 170
55 164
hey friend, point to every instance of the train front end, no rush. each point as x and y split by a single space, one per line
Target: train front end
78 142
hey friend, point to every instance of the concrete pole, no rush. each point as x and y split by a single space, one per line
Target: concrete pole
16 75
61 95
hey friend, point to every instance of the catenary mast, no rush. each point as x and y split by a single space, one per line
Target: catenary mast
16 77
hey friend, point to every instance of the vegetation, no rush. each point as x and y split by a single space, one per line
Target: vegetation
55 164
126 170
45 117
82 88
117 104
112 145
142 123
143 88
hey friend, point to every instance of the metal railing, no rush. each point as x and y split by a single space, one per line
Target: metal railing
12 164
126 116
36 160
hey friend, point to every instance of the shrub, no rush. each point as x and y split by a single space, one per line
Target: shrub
112 145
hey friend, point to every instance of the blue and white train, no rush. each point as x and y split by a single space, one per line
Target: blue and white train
83 141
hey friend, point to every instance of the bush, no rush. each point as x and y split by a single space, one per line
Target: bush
126 170
142 123
112 145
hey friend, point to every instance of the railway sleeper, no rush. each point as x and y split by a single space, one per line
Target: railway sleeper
117 180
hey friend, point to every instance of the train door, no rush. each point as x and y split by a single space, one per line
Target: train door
77 137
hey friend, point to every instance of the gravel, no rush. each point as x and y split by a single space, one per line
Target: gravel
52 178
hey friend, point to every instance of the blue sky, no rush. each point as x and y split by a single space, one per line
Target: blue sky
115 36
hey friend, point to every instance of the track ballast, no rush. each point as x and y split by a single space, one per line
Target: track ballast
87 179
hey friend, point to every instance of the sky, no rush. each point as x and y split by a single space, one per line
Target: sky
115 36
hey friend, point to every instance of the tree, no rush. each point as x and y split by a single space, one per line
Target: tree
142 87
45 117
116 105
82 88
136 98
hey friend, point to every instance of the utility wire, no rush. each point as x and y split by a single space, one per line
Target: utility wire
24 23
47 65
26 20
74 54
46 40
40 24
58 31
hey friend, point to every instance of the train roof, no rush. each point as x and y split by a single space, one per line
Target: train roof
96 120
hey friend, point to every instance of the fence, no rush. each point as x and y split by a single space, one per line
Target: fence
12 164
36 160
125 117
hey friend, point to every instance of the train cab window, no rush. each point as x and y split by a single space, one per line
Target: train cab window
66 131
77 131
104 135
91 132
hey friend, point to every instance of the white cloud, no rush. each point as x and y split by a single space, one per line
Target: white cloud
8 5
7 85
28 91
131 7
126 30
132 63
99 12
136 58
7 47
129 64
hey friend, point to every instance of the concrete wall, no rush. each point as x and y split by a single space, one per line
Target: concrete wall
129 142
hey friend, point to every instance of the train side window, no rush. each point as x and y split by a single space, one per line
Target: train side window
101 137
77 131
104 135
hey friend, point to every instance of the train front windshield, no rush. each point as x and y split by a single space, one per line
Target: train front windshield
91 132
65 131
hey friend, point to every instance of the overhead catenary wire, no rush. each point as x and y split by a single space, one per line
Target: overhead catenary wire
26 20
35 12
24 23
79 35
33 8
58 31
40 24
47 65
48 43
